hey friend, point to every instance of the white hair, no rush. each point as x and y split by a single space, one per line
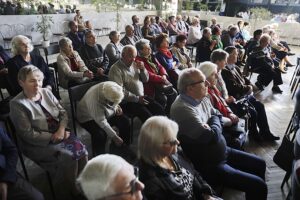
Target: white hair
208 68
98 175
186 78
112 91
152 134
15 42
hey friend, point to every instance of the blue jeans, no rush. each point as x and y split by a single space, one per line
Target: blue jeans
242 171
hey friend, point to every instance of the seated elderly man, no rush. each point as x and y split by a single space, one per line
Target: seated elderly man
263 64
200 134
239 87
158 87
205 46
129 37
76 37
100 114
110 177
94 55
131 75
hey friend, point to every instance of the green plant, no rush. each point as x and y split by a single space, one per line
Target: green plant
260 13
44 25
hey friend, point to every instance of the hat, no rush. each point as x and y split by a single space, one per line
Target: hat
207 68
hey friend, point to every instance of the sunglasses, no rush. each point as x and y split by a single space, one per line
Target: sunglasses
134 186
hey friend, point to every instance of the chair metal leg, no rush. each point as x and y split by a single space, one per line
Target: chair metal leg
51 185
285 179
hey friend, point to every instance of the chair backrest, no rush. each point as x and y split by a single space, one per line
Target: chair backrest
36 51
51 50
75 94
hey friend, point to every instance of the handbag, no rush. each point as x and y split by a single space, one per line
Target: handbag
166 89
284 156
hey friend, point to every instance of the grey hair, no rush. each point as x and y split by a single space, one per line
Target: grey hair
195 20
28 69
126 49
128 26
15 42
218 55
152 134
97 177
139 45
186 78
64 42
264 37
113 92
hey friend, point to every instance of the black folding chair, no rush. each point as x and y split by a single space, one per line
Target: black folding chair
51 50
75 94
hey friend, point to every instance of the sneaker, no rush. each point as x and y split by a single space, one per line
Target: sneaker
270 137
276 89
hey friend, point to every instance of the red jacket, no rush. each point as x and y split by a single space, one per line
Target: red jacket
154 77
218 102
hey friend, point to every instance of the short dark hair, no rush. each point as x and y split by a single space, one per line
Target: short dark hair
230 49
159 39
257 32
71 23
112 33
181 38
215 29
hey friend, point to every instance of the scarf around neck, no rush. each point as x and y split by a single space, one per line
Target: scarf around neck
166 52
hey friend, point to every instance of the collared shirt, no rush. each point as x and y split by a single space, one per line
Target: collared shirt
189 100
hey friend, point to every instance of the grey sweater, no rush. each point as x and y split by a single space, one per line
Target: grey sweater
204 146
130 78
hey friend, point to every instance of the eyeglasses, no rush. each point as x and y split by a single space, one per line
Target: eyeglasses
172 142
134 186
202 81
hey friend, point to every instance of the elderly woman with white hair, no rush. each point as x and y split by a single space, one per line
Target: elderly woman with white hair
21 48
99 113
71 68
110 177
194 34
165 173
41 125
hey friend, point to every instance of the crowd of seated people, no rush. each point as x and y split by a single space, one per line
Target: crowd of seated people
146 77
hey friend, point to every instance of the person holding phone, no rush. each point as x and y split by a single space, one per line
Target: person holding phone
131 74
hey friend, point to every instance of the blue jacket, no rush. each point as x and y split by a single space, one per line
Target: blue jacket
8 159
166 62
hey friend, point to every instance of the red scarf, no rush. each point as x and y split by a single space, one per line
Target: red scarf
166 52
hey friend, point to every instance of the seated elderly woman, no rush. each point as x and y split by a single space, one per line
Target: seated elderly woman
166 58
99 113
181 53
40 122
22 56
110 177
114 48
233 132
194 34
158 87
166 173
71 68
94 55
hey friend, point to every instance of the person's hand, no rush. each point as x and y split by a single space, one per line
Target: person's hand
88 74
4 71
3 190
234 118
139 64
214 42
67 134
174 64
206 126
230 99
117 140
58 136
143 101
100 71
166 81
119 111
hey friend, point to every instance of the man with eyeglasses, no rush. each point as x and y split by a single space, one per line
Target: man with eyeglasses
200 135
110 177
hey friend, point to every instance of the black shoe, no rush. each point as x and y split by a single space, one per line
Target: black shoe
289 65
270 137
290 54
276 90
259 86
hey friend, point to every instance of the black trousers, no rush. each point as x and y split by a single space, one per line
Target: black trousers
165 99
266 74
143 112
98 135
